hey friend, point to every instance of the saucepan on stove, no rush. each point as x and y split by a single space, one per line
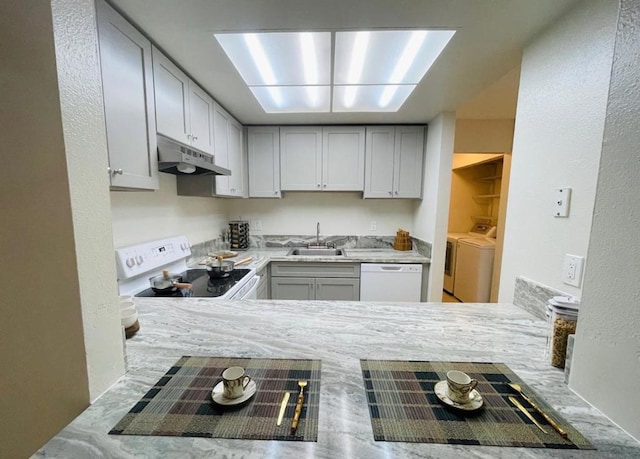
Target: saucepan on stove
220 268
167 283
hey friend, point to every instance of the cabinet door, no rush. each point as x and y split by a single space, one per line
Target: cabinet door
221 120
201 118
336 289
264 162
343 158
292 288
409 148
237 159
171 88
301 158
379 162
127 80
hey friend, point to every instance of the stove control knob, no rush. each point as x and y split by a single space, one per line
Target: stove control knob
139 259
131 262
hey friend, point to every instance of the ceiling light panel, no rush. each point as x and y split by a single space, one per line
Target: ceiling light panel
293 99
280 58
370 98
389 57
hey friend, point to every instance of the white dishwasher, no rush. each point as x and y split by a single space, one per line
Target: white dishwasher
390 282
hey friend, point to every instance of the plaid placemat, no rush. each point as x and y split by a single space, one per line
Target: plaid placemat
403 407
180 403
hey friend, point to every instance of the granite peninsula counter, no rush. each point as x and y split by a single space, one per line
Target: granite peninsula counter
340 334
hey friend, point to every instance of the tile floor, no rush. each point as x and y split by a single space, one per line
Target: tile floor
446 298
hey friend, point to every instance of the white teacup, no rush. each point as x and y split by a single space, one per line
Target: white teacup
459 386
235 382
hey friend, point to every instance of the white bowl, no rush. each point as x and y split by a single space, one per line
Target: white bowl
129 319
127 304
125 312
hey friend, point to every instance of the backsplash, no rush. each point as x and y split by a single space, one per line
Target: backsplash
202 249
533 296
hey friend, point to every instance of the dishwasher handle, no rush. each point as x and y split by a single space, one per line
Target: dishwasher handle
391 267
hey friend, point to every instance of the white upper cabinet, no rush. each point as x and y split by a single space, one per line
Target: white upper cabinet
394 158
263 148
230 154
184 111
127 80
301 158
322 158
407 164
343 158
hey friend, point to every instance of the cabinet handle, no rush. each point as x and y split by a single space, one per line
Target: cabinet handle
318 185
115 171
194 138
325 185
189 136
276 193
390 193
396 192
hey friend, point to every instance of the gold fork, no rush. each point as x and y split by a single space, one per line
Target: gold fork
296 415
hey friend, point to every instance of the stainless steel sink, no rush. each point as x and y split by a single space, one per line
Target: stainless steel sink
319 252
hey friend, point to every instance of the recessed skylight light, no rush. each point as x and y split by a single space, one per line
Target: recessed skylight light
290 72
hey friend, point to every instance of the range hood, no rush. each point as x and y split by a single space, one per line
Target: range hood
180 159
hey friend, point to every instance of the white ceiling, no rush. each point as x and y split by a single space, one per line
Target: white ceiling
487 46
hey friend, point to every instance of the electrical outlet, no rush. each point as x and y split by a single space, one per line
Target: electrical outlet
374 226
572 270
256 225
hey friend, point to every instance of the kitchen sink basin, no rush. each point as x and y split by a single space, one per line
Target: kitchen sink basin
320 252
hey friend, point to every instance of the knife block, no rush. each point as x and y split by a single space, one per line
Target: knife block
402 241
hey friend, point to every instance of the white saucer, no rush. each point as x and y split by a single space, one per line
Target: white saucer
216 394
475 399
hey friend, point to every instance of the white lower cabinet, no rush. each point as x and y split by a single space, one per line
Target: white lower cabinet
127 81
394 158
315 281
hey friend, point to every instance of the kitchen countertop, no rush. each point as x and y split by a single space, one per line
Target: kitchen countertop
263 256
338 333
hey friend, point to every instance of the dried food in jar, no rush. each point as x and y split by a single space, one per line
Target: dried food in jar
562 328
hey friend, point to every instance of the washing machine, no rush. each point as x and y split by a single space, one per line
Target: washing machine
474 269
480 231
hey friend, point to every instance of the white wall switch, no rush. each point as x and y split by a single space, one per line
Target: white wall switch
374 226
561 204
572 270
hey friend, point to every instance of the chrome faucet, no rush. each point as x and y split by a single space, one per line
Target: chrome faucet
318 233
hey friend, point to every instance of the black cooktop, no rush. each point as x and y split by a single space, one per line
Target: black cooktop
202 286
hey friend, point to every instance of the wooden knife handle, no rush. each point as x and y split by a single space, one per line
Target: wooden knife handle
296 414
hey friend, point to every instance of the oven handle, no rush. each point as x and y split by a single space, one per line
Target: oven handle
250 294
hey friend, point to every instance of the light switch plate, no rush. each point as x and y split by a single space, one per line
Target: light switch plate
561 204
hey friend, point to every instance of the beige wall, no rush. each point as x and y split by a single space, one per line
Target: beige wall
606 368
144 216
80 84
431 213
44 383
487 136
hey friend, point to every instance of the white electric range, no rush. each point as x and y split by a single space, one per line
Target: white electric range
137 264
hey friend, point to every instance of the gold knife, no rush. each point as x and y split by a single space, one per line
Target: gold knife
283 407
553 423
527 414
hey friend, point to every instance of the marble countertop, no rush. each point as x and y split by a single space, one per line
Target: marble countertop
338 333
263 256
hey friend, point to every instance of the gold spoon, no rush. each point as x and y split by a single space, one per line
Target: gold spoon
551 422
296 415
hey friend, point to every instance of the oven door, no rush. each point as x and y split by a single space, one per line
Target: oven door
248 290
